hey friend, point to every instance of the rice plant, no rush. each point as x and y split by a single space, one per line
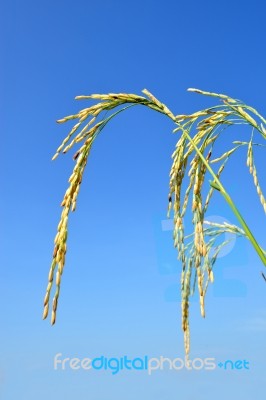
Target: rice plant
197 164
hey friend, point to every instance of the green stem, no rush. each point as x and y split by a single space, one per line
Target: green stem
245 227
218 186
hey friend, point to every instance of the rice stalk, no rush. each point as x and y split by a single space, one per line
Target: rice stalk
194 160
253 172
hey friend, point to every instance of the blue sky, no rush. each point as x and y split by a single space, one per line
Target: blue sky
120 282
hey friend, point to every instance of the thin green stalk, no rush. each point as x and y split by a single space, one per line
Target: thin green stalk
218 186
245 227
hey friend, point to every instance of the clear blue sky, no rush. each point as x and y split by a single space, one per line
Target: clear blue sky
120 283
